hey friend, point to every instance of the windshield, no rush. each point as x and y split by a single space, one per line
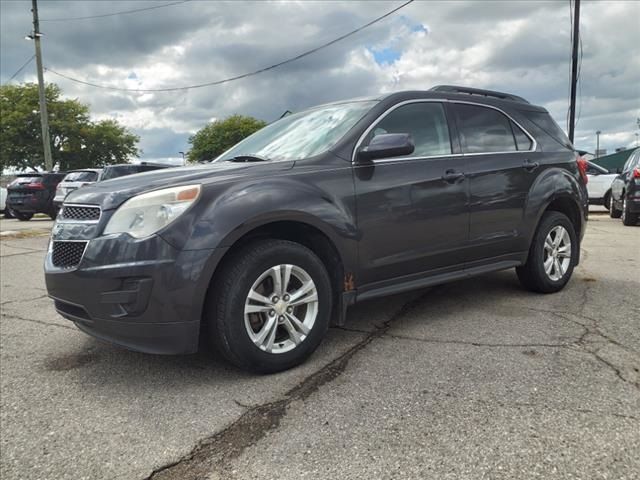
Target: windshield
301 135
87 176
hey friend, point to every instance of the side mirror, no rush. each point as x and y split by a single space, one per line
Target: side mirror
387 145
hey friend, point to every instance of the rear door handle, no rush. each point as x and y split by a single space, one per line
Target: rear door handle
451 176
530 166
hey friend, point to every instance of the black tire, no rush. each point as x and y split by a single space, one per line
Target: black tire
224 310
7 214
532 274
628 218
613 211
53 213
606 199
23 217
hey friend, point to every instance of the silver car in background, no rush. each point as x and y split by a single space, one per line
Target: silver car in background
75 180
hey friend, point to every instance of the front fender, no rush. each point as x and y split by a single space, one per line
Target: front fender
247 205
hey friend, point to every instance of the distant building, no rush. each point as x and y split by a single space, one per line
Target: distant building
601 153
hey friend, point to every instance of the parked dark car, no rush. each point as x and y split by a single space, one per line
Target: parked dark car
32 193
262 249
114 171
625 191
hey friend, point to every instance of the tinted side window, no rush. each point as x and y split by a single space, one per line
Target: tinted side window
484 130
425 122
523 142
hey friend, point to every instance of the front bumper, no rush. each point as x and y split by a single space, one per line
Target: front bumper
143 294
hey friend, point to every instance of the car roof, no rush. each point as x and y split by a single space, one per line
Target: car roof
449 92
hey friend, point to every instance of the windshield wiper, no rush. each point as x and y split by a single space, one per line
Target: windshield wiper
248 157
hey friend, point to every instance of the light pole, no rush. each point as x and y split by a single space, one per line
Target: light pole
637 139
44 119
183 159
598 143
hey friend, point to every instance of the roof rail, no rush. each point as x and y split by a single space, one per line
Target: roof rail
478 91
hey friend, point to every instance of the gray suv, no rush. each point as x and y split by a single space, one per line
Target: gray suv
262 249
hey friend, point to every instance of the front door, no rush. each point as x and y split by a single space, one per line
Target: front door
412 211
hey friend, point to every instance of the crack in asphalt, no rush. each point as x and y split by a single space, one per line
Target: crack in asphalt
213 453
591 327
478 344
15 317
22 253
24 301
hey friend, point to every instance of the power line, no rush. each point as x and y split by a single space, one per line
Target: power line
237 77
114 13
21 68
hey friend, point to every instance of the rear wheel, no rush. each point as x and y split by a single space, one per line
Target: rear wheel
23 217
552 255
628 218
270 306
613 211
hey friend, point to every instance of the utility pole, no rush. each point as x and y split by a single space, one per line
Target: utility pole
44 117
574 68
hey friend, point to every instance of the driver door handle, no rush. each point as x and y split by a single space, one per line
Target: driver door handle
451 176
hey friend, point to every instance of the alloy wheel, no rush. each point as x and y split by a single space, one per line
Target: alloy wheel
281 308
557 253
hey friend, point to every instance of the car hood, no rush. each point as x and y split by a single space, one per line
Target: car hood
111 194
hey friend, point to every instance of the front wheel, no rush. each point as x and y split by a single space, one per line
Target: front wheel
628 218
270 306
606 201
613 211
552 255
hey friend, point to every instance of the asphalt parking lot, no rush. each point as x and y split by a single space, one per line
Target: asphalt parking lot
475 379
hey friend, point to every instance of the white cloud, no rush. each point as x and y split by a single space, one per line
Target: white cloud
520 47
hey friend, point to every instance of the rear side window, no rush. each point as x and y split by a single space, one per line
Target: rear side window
544 121
424 121
484 130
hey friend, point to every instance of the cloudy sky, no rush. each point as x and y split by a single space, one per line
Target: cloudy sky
516 46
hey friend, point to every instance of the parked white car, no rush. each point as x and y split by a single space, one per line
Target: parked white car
3 199
599 185
73 181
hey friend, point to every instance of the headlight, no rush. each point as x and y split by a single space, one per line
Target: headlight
145 214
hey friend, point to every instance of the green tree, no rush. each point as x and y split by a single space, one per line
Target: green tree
76 141
217 137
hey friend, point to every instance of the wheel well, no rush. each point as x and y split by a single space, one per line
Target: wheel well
298 232
570 209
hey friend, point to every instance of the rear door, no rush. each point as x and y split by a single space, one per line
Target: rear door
501 166
412 210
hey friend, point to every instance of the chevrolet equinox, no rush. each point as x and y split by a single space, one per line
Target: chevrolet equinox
262 249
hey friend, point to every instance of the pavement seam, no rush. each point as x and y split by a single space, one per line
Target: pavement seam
214 452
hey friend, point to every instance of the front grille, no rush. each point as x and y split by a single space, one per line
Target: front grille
87 214
67 254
